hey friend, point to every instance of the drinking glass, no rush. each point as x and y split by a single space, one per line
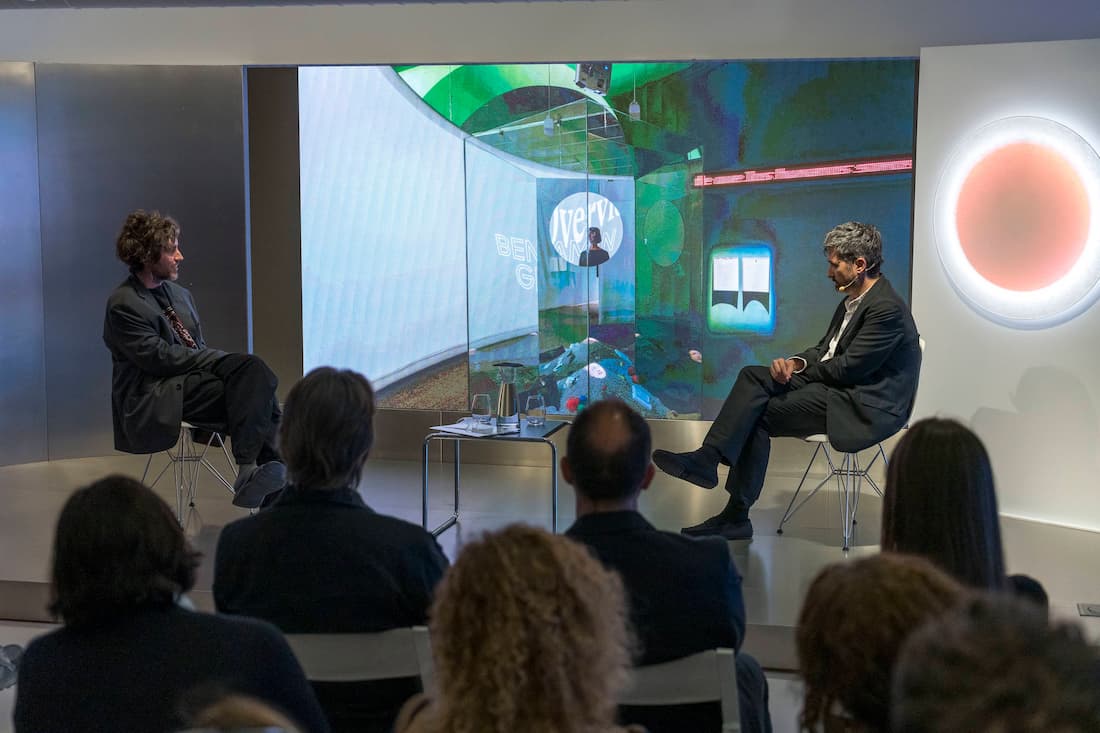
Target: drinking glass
536 410
481 409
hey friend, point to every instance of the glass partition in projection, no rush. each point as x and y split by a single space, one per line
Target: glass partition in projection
644 243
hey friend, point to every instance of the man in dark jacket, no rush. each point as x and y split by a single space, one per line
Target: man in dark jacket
164 373
319 560
684 593
856 385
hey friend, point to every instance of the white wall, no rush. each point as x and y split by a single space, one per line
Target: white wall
544 31
1032 395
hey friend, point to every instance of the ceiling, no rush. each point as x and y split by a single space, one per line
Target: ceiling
89 4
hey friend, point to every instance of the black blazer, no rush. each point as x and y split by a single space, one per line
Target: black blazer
324 562
149 364
873 375
138 673
684 593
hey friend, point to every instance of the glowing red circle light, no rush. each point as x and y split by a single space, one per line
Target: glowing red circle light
1023 216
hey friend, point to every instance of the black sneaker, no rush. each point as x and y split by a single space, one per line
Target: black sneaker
252 486
694 466
719 526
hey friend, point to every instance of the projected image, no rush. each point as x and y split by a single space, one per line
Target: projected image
741 290
638 244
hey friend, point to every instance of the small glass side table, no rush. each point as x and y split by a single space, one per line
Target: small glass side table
526 434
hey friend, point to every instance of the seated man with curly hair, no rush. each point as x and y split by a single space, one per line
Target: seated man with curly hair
164 373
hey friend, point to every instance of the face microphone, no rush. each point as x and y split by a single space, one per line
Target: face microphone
852 282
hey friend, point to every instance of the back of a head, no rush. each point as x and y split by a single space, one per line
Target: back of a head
240 714
528 634
327 428
853 621
117 548
995 665
608 450
940 502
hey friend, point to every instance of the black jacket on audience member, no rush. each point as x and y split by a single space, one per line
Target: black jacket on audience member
685 597
138 673
325 562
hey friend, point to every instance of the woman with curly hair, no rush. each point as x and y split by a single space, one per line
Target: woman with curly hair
853 622
528 634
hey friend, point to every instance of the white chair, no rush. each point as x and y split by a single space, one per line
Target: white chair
708 676
404 652
848 473
185 459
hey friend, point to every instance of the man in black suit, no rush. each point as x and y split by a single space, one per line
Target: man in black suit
319 560
684 593
164 373
856 385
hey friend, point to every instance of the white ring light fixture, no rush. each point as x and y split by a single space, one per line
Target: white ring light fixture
1057 302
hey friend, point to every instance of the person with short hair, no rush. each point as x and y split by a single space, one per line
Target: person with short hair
684 593
529 634
856 386
319 560
854 619
128 654
164 373
995 665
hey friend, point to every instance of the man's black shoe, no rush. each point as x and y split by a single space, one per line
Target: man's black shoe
252 486
720 527
694 466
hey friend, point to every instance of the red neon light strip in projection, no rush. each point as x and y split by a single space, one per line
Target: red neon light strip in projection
815 172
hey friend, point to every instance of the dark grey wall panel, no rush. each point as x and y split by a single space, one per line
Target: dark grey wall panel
113 139
22 363
275 215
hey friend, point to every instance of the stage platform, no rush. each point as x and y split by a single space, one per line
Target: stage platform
776 569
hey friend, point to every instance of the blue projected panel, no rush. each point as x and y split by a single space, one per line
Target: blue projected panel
742 293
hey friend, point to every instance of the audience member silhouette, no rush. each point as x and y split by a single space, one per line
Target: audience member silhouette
940 503
684 593
854 619
995 665
528 634
239 714
319 560
128 653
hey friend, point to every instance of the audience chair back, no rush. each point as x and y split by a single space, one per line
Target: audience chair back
704 677
405 652
849 474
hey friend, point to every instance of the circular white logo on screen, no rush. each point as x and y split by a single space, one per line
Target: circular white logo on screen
572 225
1016 222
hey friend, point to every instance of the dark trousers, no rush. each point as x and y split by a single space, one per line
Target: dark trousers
236 396
757 409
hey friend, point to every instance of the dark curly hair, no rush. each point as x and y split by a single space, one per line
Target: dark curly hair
117 548
145 236
854 619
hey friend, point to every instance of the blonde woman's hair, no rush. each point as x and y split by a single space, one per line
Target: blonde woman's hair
529 634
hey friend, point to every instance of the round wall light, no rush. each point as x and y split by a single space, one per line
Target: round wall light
1017 222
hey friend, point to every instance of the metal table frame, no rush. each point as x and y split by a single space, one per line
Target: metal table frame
527 434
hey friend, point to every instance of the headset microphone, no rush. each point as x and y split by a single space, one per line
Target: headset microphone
852 282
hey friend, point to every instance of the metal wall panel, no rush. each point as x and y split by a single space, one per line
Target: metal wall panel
113 139
276 222
22 361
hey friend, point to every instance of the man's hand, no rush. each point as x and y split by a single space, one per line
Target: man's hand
782 369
